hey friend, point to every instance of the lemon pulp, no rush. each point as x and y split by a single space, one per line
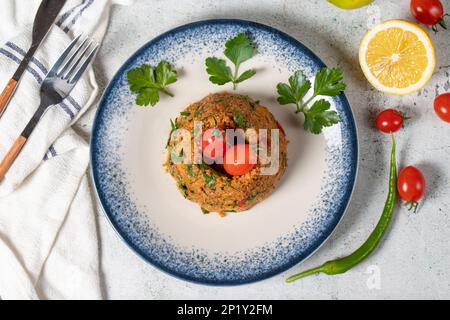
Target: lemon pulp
397 58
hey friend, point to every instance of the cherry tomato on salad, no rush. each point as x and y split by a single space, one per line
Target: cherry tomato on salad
411 186
241 203
213 143
429 12
389 121
239 159
442 106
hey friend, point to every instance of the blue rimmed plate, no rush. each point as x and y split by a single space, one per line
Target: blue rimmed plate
143 203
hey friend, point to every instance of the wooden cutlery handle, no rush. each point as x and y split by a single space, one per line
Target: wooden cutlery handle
6 94
12 154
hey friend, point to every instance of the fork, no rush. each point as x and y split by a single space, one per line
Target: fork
57 85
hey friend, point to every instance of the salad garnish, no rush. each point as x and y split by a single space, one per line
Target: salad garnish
210 179
238 50
147 82
174 125
239 119
328 82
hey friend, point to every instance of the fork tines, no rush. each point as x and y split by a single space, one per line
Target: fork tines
75 59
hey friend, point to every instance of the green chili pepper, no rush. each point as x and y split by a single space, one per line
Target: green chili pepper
344 264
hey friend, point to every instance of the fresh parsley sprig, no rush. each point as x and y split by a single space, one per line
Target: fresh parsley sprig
210 180
328 82
239 119
238 50
147 82
174 125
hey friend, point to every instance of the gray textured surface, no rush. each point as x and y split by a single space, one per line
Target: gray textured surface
413 260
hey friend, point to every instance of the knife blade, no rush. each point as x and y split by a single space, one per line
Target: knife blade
46 14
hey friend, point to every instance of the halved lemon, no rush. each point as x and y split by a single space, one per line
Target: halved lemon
397 57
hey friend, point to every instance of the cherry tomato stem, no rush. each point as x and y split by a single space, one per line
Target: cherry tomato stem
413 206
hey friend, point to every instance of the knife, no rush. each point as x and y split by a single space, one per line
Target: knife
46 15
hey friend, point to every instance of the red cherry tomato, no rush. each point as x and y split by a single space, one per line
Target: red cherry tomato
239 160
429 12
241 203
389 121
442 106
213 144
411 185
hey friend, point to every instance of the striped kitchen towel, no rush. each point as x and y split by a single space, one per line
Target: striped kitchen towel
48 233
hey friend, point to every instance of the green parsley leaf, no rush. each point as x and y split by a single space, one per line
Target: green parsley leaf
183 189
185 114
246 75
177 158
147 96
252 197
202 166
190 170
210 179
286 96
298 86
328 82
165 74
198 111
239 119
147 82
204 210
140 78
238 50
174 125
319 116
250 101
218 70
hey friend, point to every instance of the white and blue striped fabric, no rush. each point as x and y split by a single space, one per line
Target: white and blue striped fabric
48 239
